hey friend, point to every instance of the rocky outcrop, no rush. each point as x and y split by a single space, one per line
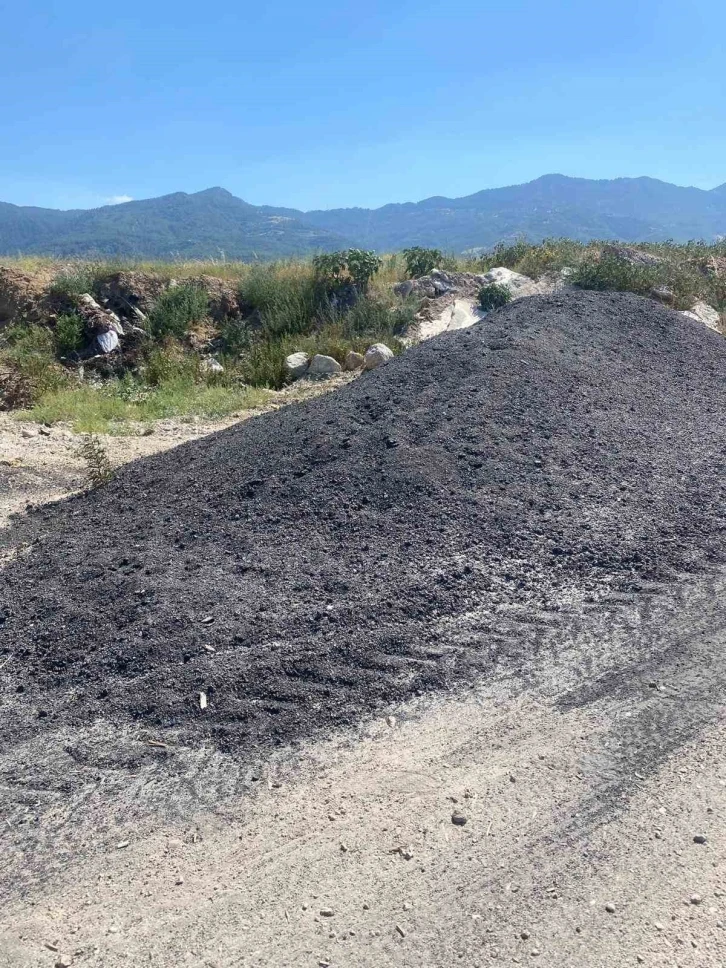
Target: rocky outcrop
705 314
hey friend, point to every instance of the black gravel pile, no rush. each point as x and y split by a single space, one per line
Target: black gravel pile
305 567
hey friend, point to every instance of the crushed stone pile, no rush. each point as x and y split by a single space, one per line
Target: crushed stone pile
425 524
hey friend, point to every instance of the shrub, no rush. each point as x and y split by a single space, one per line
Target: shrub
235 335
170 362
334 270
362 266
506 255
286 301
493 296
68 334
27 355
177 309
611 272
551 255
420 261
98 466
74 281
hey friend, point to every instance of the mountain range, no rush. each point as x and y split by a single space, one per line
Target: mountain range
214 222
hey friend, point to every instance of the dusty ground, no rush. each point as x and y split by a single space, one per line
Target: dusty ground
347 855
584 773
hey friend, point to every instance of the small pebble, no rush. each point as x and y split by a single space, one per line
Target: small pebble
699 839
524 935
327 912
458 818
610 908
535 952
695 898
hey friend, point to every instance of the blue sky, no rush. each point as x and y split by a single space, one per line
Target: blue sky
324 104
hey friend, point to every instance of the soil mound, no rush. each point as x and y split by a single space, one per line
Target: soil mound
407 533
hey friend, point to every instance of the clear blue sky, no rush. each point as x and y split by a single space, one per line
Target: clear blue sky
327 103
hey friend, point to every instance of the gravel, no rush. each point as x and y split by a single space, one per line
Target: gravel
304 568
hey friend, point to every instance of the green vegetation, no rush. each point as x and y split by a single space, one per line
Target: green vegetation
335 270
29 366
493 296
330 304
72 281
112 406
420 262
325 306
68 334
609 272
98 466
177 310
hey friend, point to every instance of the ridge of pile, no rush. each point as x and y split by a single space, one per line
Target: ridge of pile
302 568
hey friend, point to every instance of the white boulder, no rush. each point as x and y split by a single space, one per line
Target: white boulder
296 365
376 355
323 366
514 281
705 314
210 365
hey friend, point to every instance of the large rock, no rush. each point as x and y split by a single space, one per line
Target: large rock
209 365
354 361
296 365
514 281
376 355
636 257
405 288
663 294
323 366
705 314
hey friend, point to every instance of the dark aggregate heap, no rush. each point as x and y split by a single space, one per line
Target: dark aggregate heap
307 566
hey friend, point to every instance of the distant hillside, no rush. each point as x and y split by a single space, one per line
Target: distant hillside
630 209
201 225
211 222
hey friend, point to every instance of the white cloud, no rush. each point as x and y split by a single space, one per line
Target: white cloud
118 199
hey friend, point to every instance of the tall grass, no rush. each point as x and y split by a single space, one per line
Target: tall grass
178 308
